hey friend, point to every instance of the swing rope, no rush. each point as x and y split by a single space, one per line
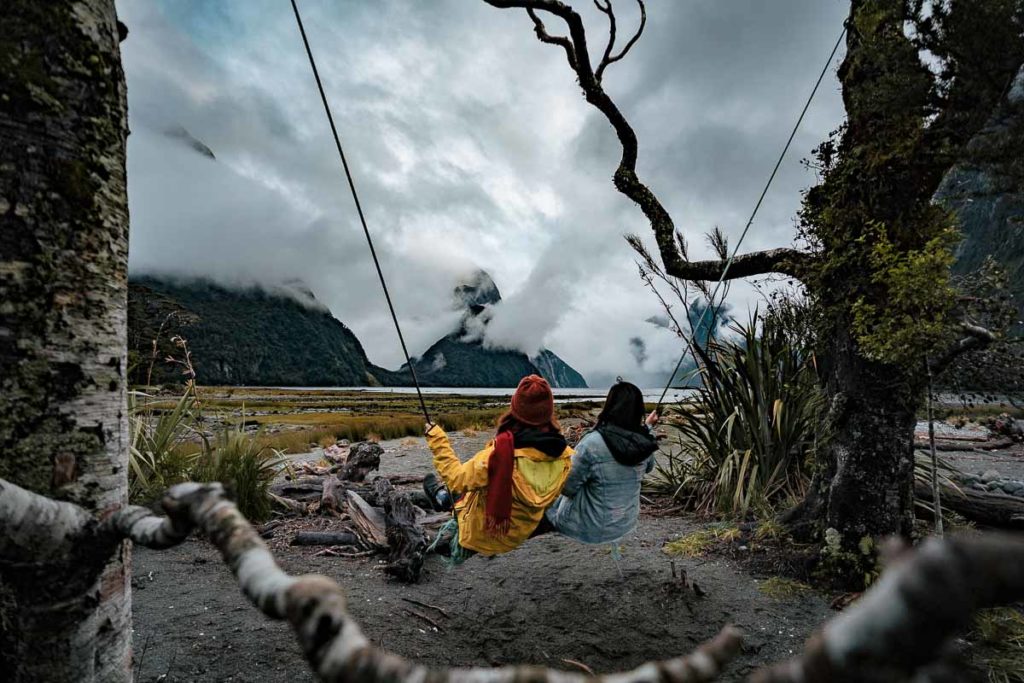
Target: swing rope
711 303
359 210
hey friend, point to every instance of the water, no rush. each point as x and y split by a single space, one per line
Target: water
561 395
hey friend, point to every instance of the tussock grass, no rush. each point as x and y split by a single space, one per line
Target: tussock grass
999 634
700 542
779 588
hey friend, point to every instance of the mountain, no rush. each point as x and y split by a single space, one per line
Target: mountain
461 359
251 336
284 336
986 190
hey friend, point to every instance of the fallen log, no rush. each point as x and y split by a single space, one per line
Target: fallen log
304 489
965 445
985 507
368 520
332 496
407 542
289 504
325 538
402 479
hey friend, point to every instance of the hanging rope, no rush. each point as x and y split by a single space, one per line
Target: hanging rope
753 214
359 210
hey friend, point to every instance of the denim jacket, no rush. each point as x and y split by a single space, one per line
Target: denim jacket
601 499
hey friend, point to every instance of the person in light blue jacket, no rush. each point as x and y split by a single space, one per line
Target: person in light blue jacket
601 499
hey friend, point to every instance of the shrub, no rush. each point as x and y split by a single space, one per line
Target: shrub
245 468
748 437
159 454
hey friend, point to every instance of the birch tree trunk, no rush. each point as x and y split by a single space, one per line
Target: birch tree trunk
64 612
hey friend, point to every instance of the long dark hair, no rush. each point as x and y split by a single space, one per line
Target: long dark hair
624 407
510 423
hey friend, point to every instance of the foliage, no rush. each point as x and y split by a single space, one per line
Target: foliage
160 454
999 634
245 467
780 588
699 542
912 318
883 246
748 438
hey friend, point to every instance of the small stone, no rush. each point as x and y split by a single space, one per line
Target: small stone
994 485
1011 486
990 476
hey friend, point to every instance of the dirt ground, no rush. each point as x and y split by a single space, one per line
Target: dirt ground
550 601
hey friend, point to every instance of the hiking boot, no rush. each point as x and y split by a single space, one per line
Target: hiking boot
437 493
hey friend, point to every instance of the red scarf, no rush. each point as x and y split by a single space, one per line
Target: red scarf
499 485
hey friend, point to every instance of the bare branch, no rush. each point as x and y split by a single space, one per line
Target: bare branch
901 623
786 261
545 37
608 58
976 338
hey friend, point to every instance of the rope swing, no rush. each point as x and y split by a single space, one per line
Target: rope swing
359 210
760 200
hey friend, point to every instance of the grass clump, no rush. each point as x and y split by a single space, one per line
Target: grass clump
160 453
244 467
748 437
999 636
700 542
779 588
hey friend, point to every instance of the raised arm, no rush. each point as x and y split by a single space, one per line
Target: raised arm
458 476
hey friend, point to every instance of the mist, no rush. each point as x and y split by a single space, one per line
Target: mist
471 148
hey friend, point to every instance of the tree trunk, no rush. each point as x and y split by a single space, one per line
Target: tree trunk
865 486
63 290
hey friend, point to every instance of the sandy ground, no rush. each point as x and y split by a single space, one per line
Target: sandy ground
550 601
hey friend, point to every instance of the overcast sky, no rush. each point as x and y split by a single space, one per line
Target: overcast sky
471 148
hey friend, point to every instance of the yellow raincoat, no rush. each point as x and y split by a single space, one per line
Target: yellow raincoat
537 480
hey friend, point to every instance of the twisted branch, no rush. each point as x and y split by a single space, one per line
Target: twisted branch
897 628
788 261
314 605
975 338
901 624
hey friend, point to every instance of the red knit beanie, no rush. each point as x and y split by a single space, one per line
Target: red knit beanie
533 402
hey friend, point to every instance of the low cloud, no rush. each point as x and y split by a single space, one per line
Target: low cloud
471 148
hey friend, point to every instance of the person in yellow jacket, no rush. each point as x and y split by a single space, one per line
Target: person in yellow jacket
501 493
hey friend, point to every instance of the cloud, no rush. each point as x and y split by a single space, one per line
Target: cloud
471 148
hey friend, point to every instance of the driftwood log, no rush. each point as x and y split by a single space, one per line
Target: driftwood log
326 538
985 507
368 521
407 542
363 458
332 495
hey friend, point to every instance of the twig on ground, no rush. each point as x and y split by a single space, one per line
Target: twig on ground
424 617
428 606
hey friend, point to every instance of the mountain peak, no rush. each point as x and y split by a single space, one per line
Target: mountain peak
475 292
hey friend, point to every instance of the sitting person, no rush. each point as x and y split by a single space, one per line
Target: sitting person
500 494
601 499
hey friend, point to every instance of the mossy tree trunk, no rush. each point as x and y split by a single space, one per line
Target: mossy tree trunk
878 250
63 287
